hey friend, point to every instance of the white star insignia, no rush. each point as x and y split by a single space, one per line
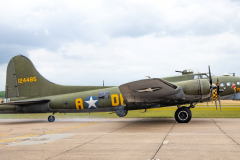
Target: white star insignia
91 103
147 90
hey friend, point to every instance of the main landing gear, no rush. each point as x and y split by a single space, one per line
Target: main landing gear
183 114
121 112
51 118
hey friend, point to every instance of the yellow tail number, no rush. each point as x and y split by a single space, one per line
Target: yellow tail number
79 103
115 99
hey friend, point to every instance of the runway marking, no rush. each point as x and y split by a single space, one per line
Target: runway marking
5 134
91 140
198 134
7 141
40 140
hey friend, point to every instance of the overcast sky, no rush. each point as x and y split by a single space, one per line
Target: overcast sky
86 42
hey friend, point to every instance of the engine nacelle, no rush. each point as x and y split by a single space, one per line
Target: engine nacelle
195 87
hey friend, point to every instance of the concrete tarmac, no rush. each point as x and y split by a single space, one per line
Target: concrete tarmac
120 138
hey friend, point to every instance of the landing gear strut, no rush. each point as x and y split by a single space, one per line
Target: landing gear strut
51 118
183 115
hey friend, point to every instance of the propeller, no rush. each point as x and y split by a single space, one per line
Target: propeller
213 87
218 94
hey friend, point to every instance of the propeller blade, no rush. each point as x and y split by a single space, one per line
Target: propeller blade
219 102
218 94
210 82
213 88
210 76
216 104
207 104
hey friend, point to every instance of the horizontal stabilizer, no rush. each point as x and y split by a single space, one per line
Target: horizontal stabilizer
26 102
148 90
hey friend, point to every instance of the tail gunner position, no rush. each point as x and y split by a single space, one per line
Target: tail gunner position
27 91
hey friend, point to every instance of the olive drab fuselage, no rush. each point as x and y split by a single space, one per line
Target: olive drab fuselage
24 83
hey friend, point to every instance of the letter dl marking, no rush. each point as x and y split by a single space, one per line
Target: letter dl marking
115 99
25 80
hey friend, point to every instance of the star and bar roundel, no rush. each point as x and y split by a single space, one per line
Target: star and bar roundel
91 102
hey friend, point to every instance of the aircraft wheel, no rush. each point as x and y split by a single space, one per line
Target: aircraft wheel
51 118
183 115
121 112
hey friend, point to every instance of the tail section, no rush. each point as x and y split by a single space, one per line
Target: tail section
24 81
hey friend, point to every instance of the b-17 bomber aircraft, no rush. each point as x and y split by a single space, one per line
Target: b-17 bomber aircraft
27 91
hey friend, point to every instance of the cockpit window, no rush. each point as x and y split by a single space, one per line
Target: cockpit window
222 84
104 95
196 77
211 75
201 76
229 83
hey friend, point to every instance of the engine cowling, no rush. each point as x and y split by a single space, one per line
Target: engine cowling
195 87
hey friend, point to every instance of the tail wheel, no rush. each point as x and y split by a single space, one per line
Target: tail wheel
183 115
121 112
51 118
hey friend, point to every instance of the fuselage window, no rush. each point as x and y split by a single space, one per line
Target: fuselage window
238 83
229 83
195 77
222 84
104 95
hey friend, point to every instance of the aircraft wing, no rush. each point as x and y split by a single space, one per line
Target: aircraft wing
26 102
148 90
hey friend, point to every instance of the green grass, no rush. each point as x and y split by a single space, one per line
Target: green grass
167 112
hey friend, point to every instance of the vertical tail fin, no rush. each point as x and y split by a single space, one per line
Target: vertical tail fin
24 81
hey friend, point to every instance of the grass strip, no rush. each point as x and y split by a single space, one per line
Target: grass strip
166 112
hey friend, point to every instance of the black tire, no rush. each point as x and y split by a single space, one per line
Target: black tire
121 112
183 115
51 118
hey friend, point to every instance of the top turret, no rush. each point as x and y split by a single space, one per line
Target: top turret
186 71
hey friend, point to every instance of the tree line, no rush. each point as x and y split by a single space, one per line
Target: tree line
2 94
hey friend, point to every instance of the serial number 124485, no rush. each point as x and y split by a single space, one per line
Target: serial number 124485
25 80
